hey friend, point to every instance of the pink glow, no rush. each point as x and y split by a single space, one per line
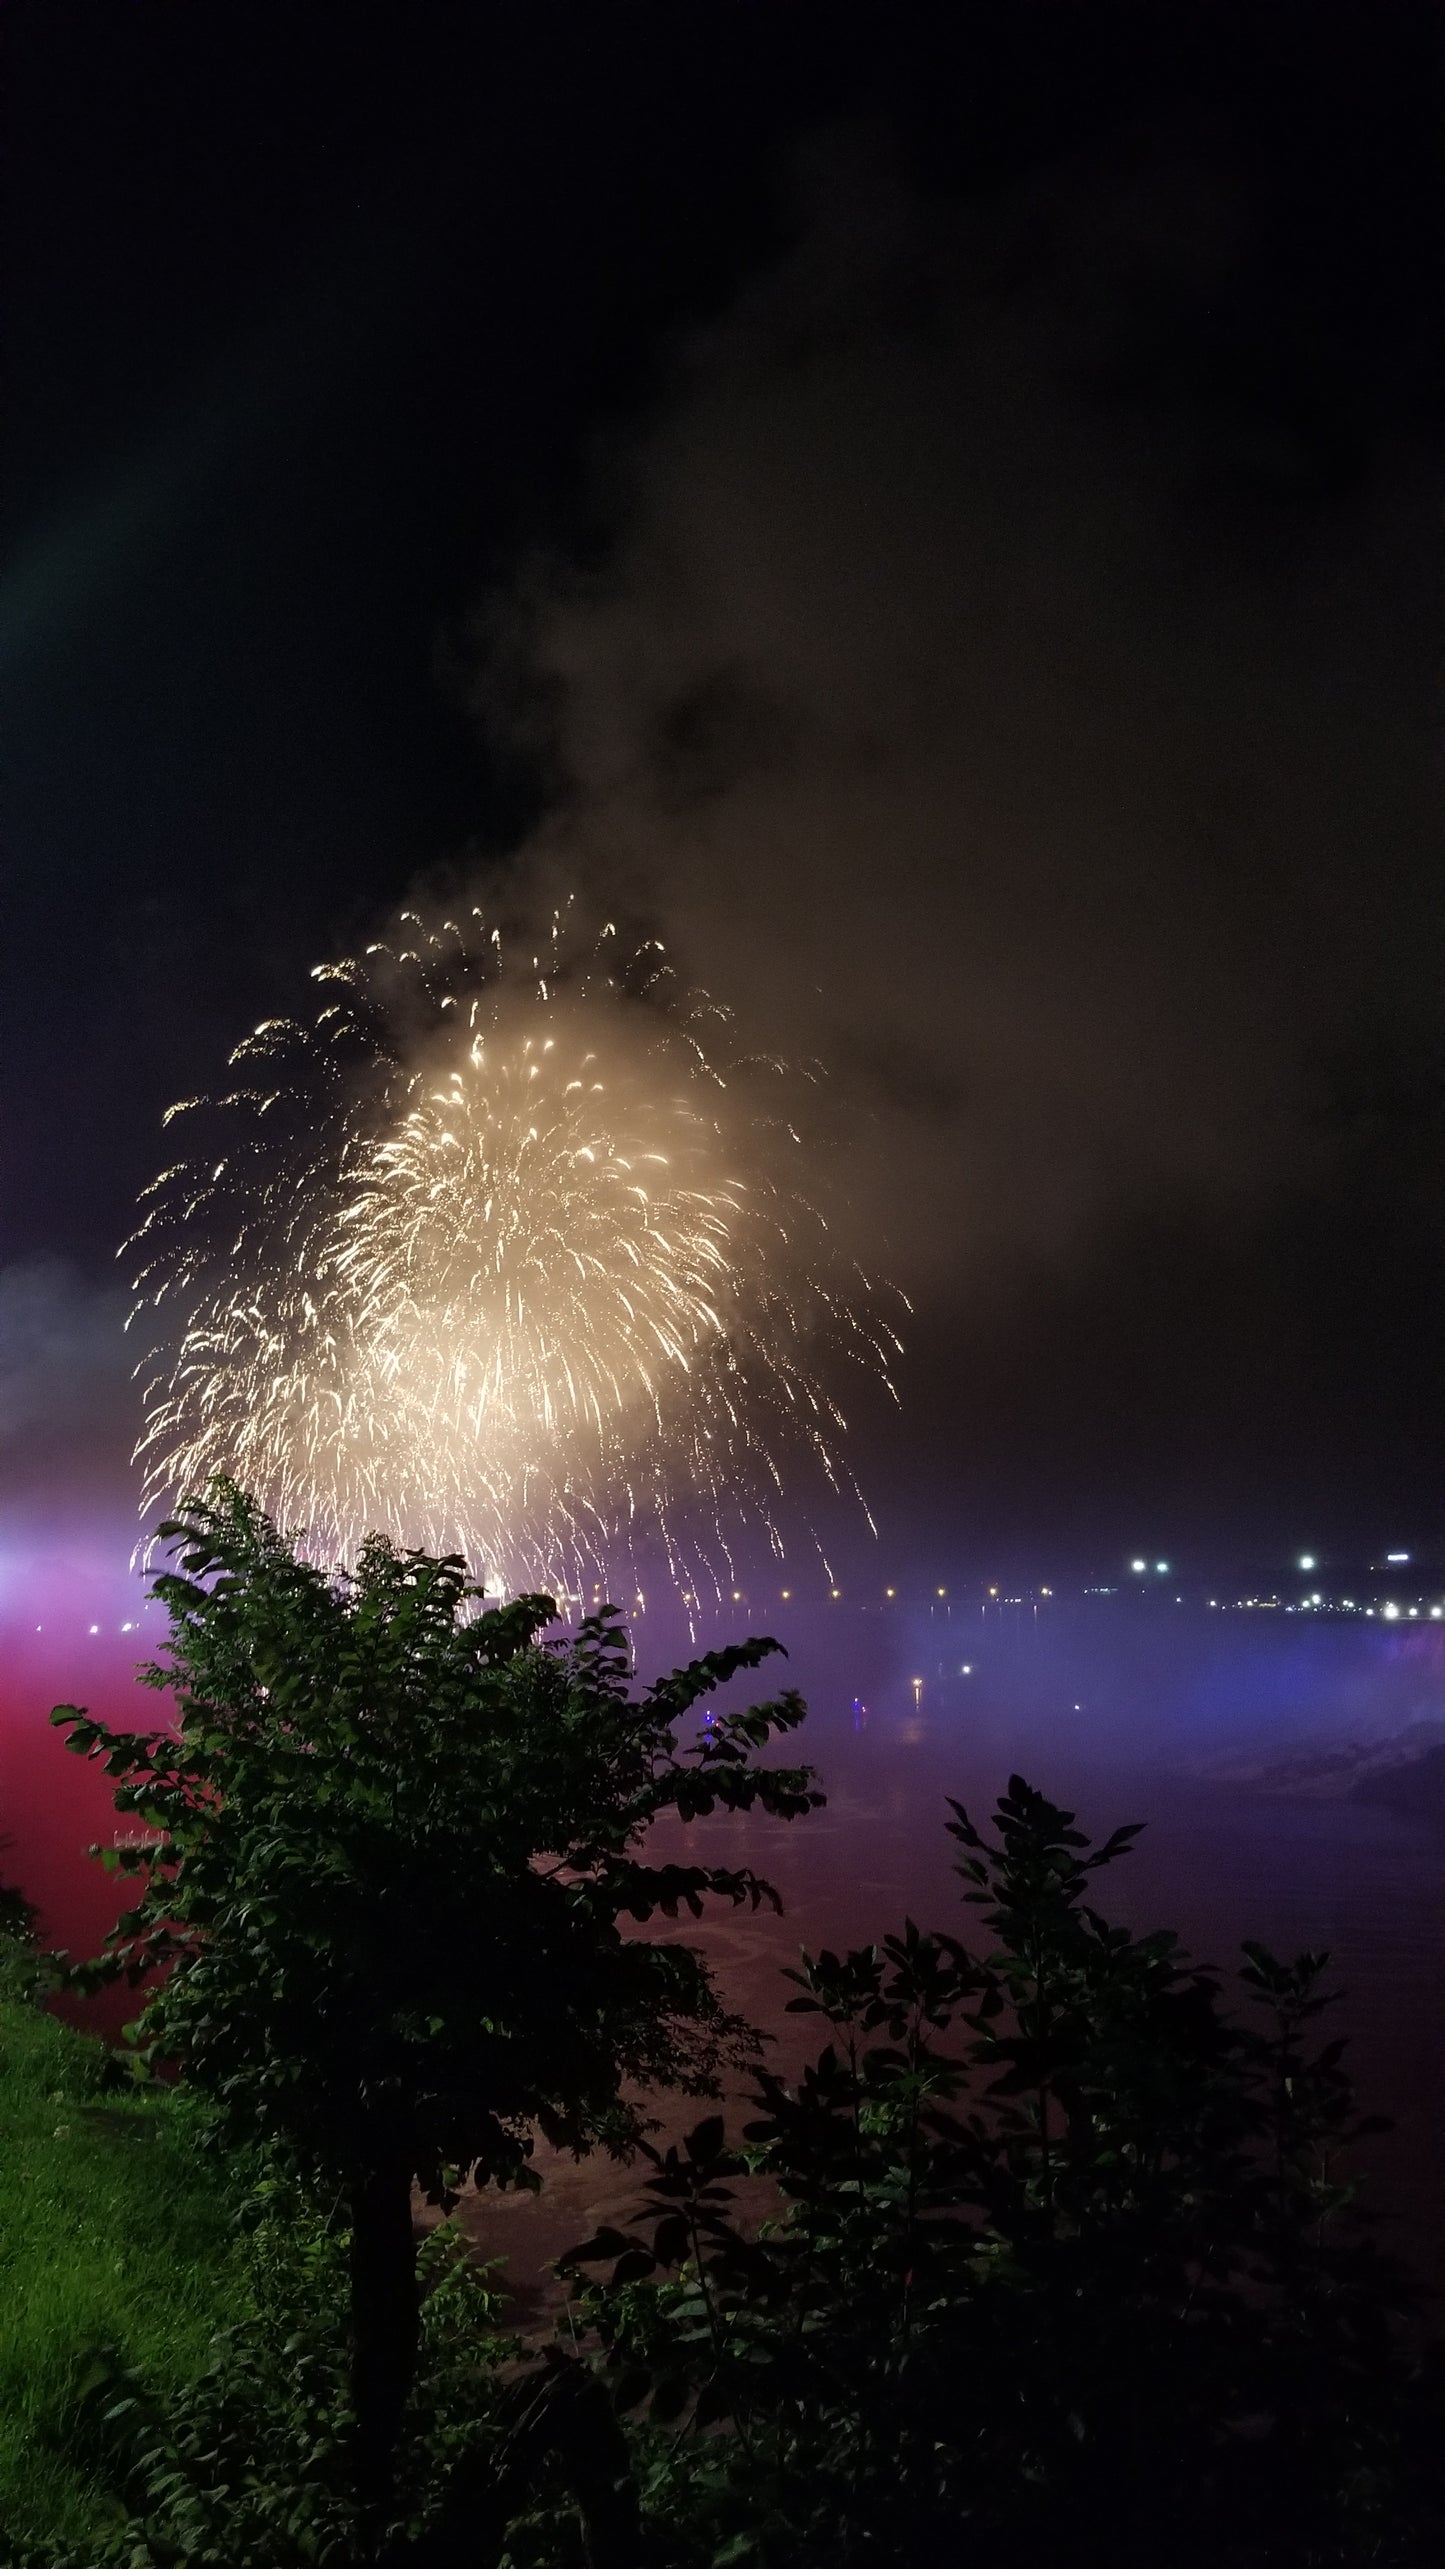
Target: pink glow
62 1640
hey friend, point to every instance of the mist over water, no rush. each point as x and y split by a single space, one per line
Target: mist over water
1213 1727
1218 1729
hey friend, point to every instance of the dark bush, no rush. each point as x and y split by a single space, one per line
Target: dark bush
1066 2263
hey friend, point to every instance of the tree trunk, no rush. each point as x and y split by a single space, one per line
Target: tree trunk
385 2325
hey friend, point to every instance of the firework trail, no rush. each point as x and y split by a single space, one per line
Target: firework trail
507 1260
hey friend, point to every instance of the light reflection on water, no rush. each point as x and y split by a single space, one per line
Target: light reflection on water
1125 1712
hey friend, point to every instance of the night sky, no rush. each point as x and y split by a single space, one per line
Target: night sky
939 511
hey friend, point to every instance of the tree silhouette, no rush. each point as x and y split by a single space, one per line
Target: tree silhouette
401 1839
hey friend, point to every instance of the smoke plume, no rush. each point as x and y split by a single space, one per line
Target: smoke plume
984 715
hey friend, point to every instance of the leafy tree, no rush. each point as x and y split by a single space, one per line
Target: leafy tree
401 1840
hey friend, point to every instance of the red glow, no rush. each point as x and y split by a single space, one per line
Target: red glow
53 1806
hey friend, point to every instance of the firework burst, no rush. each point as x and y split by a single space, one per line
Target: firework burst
506 1258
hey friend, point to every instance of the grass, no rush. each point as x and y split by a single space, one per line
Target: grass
113 2233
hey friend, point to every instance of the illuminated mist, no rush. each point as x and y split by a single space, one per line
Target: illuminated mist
506 1257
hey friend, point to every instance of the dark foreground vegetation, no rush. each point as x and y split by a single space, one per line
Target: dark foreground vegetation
1051 2253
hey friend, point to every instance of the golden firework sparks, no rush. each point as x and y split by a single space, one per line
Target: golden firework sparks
507 1260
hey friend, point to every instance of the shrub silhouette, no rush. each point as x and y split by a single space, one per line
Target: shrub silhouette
1065 2261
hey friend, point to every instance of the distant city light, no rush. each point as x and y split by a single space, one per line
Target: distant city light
1391 1613
1397 1556
1162 1567
95 1627
943 1592
967 1669
1307 1560
835 1592
1139 1565
917 1690
787 1592
890 1592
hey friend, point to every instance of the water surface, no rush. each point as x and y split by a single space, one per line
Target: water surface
1213 1728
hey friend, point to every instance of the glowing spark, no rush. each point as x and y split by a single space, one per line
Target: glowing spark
422 1288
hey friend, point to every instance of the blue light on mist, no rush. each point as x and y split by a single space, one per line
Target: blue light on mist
75 1576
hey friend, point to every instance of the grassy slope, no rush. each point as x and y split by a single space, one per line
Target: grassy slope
111 2233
